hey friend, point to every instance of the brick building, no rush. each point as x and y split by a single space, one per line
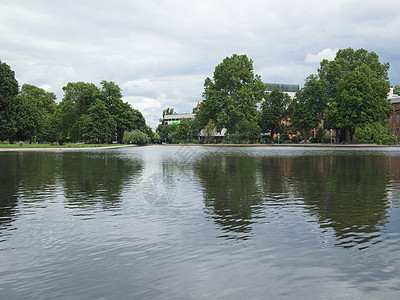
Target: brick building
394 120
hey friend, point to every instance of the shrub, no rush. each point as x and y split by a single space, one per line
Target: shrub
326 139
375 133
135 137
283 138
319 135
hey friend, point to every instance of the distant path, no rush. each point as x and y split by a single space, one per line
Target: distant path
63 149
285 145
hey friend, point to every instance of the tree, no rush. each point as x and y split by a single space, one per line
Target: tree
166 132
186 131
78 96
138 121
274 111
183 131
136 137
355 104
167 111
64 121
98 124
35 108
248 131
375 133
309 105
74 113
81 94
397 89
8 102
125 116
232 95
210 129
356 86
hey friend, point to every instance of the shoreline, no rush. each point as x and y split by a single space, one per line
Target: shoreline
286 145
22 149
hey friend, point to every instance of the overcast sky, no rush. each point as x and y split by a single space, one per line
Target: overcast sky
160 52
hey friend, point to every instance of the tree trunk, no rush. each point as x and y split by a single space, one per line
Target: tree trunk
342 136
349 136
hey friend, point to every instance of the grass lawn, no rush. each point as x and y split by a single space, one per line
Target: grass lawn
72 145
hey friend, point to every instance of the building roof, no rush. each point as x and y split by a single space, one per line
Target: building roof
283 87
179 116
395 99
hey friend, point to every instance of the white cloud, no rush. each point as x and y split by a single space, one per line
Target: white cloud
160 52
324 54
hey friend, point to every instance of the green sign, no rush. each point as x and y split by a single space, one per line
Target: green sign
175 122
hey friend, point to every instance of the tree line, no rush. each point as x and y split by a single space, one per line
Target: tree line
347 95
86 113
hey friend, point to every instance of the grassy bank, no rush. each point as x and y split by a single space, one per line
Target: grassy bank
71 145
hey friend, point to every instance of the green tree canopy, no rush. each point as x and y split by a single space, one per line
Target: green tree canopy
81 94
98 124
85 106
354 87
78 96
355 104
232 94
275 110
8 102
126 118
397 89
309 105
35 109
168 111
166 132
136 137
187 131
375 133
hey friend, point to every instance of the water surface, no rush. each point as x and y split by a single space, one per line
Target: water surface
164 222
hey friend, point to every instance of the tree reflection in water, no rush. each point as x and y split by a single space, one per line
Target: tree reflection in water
231 193
9 163
95 180
88 180
346 193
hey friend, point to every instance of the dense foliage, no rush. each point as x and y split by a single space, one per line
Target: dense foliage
35 107
86 113
347 93
187 131
95 114
8 102
136 137
396 89
309 105
275 112
375 133
232 95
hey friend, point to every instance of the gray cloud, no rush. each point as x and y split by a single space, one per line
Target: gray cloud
160 52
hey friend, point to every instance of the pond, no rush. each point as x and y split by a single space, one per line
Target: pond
194 222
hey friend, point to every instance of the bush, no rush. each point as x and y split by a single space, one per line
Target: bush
326 139
283 138
297 139
319 135
135 137
376 133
